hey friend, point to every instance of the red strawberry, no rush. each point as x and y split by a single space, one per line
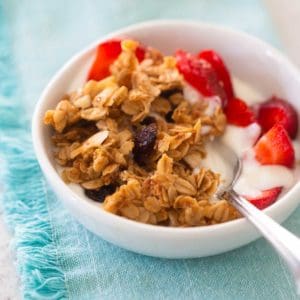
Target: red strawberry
219 66
107 53
239 113
200 74
266 198
277 110
140 53
275 148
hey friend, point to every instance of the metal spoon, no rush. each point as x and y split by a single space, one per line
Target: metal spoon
284 242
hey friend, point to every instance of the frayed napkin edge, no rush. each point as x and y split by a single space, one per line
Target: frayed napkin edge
26 213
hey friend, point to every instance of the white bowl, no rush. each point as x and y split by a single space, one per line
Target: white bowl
249 59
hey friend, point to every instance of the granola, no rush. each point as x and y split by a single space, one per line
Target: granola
133 142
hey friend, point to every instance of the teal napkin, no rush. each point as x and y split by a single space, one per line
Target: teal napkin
56 257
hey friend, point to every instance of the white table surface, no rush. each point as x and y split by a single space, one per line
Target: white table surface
9 283
286 18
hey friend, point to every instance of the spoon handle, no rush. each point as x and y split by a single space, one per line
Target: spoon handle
285 243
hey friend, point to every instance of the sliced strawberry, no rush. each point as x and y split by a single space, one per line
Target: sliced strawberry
107 53
239 113
266 198
140 53
200 74
219 66
277 110
275 148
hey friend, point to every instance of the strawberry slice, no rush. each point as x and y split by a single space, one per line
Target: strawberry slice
239 113
277 110
140 53
275 148
266 198
200 74
219 66
107 53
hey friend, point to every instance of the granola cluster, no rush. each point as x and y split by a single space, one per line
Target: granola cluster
133 141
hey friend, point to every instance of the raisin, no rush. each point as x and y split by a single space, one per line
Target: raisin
100 194
144 142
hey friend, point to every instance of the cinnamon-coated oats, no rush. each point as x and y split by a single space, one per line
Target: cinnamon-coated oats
133 139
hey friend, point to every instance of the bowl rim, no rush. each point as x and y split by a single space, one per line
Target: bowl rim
52 175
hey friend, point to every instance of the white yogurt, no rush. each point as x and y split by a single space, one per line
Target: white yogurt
193 96
240 139
216 162
255 177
